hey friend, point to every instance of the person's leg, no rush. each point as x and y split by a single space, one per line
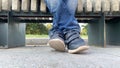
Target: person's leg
53 6
56 36
69 25
67 20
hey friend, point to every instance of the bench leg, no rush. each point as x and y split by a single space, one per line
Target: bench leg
12 35
3 35
113 32
16 34
97 33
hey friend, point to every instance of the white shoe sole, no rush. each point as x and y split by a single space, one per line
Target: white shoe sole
57 44
78 50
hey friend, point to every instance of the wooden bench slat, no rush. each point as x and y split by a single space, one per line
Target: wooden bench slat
42 6
0 5
80 6
97 6
105 5
34 5
16 5
25 5
5 5
115 5
88 5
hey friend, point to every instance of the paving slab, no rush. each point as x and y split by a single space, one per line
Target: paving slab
46 57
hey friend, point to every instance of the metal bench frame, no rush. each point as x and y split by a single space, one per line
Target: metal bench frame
103 27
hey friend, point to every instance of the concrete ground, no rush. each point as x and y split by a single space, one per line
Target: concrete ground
46 57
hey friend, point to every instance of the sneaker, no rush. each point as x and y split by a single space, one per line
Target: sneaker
74 43
57 41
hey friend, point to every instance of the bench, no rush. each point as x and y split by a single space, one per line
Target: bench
102 17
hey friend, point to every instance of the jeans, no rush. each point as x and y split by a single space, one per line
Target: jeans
63 12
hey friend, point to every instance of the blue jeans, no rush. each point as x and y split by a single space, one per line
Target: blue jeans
63 12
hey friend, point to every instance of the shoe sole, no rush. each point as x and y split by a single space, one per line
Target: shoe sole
57 44
78 50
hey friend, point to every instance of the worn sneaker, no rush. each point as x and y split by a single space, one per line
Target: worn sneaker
57 41
74 43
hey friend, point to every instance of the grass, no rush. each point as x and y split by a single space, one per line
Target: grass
46 36
36 36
